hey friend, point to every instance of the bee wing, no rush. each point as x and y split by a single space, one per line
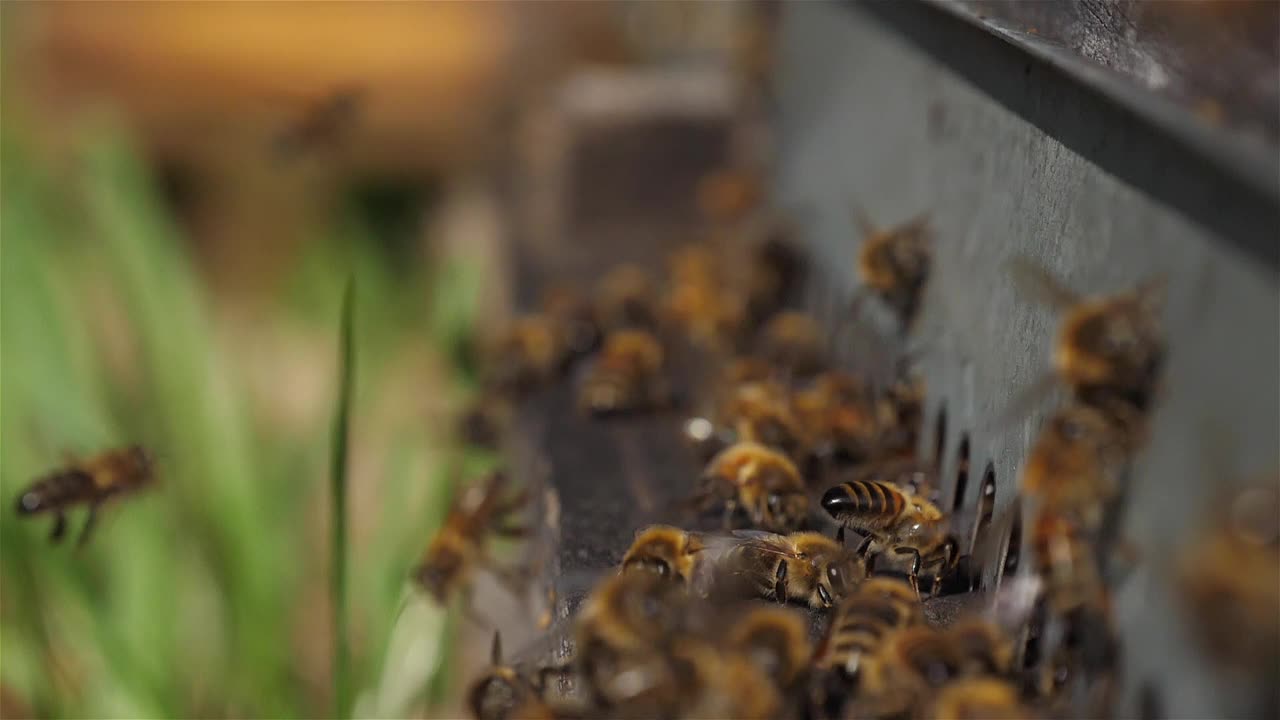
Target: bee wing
1033 280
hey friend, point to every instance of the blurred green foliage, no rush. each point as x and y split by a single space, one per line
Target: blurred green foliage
186 602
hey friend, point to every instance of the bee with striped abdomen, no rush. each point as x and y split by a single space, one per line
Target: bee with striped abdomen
759 481
89 482
895 520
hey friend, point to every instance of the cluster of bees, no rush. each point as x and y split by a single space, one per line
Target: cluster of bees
809 599
812 474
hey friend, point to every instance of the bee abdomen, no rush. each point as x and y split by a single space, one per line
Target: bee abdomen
55 491
863 501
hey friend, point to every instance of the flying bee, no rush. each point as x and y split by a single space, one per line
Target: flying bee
761 482
881 606
792 342
89 482
893 265
502 691
978 698
1080 640
461 543
666 551
626 299
1109 348
1229 583
628 375
776 640
1076 463
804 567
895 519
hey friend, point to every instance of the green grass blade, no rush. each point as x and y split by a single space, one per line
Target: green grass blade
338 506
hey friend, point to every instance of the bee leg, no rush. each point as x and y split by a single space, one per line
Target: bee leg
840 535
59 528
780 583
915 566
88 526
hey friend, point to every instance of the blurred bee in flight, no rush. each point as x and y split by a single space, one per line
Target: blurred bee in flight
89 482
1110 349
461 545
893 265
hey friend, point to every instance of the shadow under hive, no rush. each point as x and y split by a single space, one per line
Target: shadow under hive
1013 150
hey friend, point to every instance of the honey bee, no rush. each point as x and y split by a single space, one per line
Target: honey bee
761 482
910 665
1110 349
461 543
985 647
1076 463
792 342
897 520
1229 583
722 684
502 692
836 412
626 299
665 551
776 641
803 567
893 264
881 606
978 698
1076 606
528 354
627 375
89 482
760 412
622 636
750 405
